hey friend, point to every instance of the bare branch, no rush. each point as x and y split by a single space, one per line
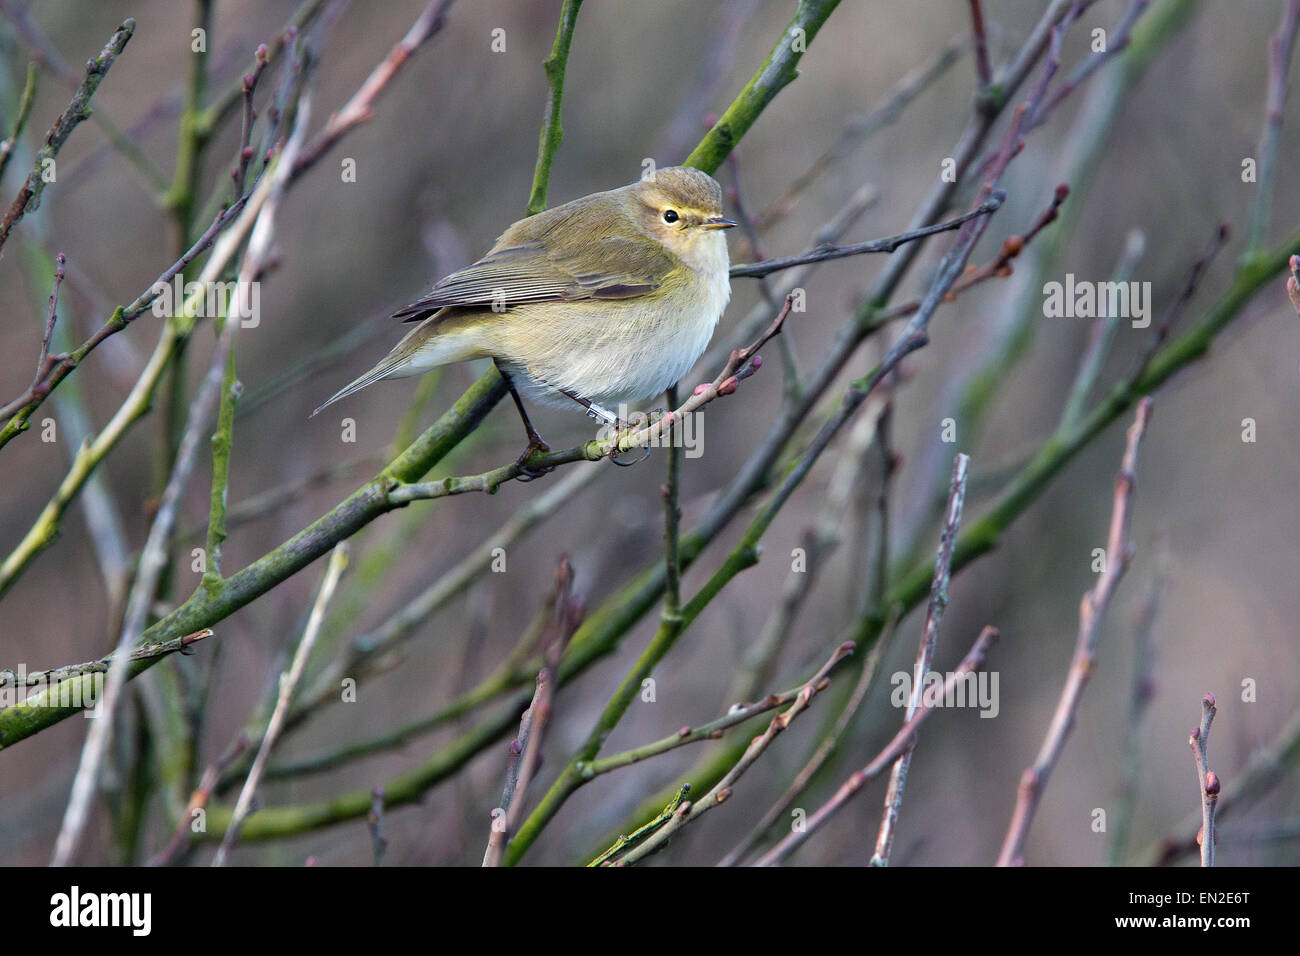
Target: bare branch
1119 552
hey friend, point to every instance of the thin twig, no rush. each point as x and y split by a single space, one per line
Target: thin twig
1267 767
20 121
757 270
198 801
1207 780
43 361
860 128
261 212
1101 337
1117 41
1293 283
361 107
1143 692
525 751
983 70
1119 552
1280 47
151 563
738 714
925 653
689 812
902 743
245 153
29 195
867 668
26 678
1195 274
288 683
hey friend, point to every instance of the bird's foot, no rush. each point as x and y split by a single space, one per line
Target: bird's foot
535 444
621 428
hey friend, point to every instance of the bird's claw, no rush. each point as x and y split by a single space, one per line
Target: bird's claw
531 474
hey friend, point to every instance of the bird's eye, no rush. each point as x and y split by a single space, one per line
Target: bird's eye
670 215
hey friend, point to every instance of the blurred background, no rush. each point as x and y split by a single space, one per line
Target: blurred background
441 170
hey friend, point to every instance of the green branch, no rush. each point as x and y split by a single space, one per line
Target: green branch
777 71
552 133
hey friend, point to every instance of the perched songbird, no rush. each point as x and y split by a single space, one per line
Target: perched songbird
607 299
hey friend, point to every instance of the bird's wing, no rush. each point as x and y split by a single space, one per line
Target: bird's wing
522 270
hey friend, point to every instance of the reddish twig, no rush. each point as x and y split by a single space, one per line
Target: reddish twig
1117 42
983 70
525 751
198 800
240 171
902 743
1293 284
689 811
361 107
999 267
1119 552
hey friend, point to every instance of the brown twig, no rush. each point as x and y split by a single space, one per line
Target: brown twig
757 270
245 154
1117 42
983 70
45 363
738 714
361 107
1267 767
823 752
1207 780
690 811
198 800
1175 309
29 195
525 751
1293 284
21 408
999 267
902 743
1119 552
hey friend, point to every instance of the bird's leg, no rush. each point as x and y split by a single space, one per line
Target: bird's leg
597 413
594 411
535 442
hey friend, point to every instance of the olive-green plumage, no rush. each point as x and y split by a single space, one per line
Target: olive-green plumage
610 298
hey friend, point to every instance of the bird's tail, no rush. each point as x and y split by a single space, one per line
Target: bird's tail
389 365
427 346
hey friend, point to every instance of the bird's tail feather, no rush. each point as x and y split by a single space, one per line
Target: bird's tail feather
385 368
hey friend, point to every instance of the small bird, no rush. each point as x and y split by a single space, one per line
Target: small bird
604 300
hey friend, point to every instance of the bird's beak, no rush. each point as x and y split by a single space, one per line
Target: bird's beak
717 222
